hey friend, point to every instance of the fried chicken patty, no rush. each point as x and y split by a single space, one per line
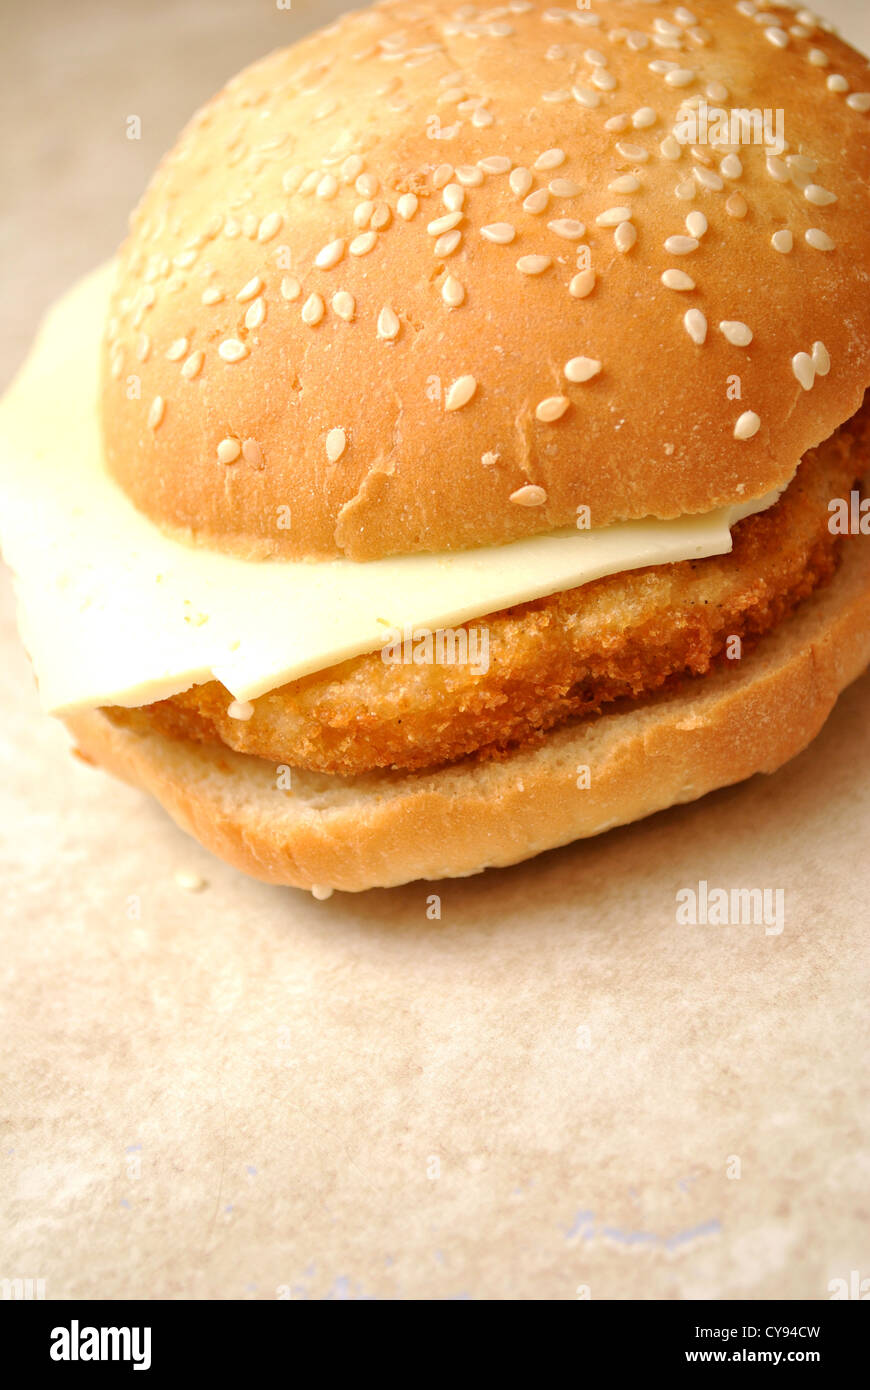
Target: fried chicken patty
551 660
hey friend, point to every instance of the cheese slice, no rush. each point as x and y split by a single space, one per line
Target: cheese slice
113 612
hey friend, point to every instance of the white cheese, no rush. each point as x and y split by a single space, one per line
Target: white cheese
114 612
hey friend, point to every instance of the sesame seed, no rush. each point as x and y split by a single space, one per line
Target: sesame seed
837 83
231 350
581 369
336 443
250 290
613 216
681 245
501 233
626 183
242 710
407 206
352 168
460 393
256 313
737 333
583 284
327 187
696 224
453 197
681 77
521 181
442 175
804 370
778 37
362 245
782 241
176 350
585 96
859 101
534 265
550 159
212 295
292 179
538 201
156 413
568 228
818 58
344 305
706 178
748 425
677 280
636 153
819 240
821 359
330 255
595 57
671 147
388 325
446 245
290 287
228 450
819 197
644 117
529 496
731 167
252 453
193 366
313 310
802 162
445 223
625 237
469 176
696 326
495 164
737 206
270 226
143 347
685 190
552 409
717 91
453 292
564 188
367 185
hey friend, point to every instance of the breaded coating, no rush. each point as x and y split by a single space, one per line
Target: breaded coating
553 660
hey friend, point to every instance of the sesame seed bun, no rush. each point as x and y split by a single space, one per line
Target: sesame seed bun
425 282
389 828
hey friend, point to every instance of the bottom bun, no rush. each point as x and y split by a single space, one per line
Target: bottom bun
385 828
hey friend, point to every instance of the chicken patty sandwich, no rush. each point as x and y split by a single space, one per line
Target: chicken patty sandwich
464 453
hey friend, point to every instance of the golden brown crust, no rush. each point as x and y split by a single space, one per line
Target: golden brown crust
550 660
651 435
390 828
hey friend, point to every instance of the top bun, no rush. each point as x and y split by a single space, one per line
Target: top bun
344 316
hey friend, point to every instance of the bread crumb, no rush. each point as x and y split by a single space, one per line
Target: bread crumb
190 882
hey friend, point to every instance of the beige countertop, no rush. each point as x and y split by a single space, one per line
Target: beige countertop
553 1089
